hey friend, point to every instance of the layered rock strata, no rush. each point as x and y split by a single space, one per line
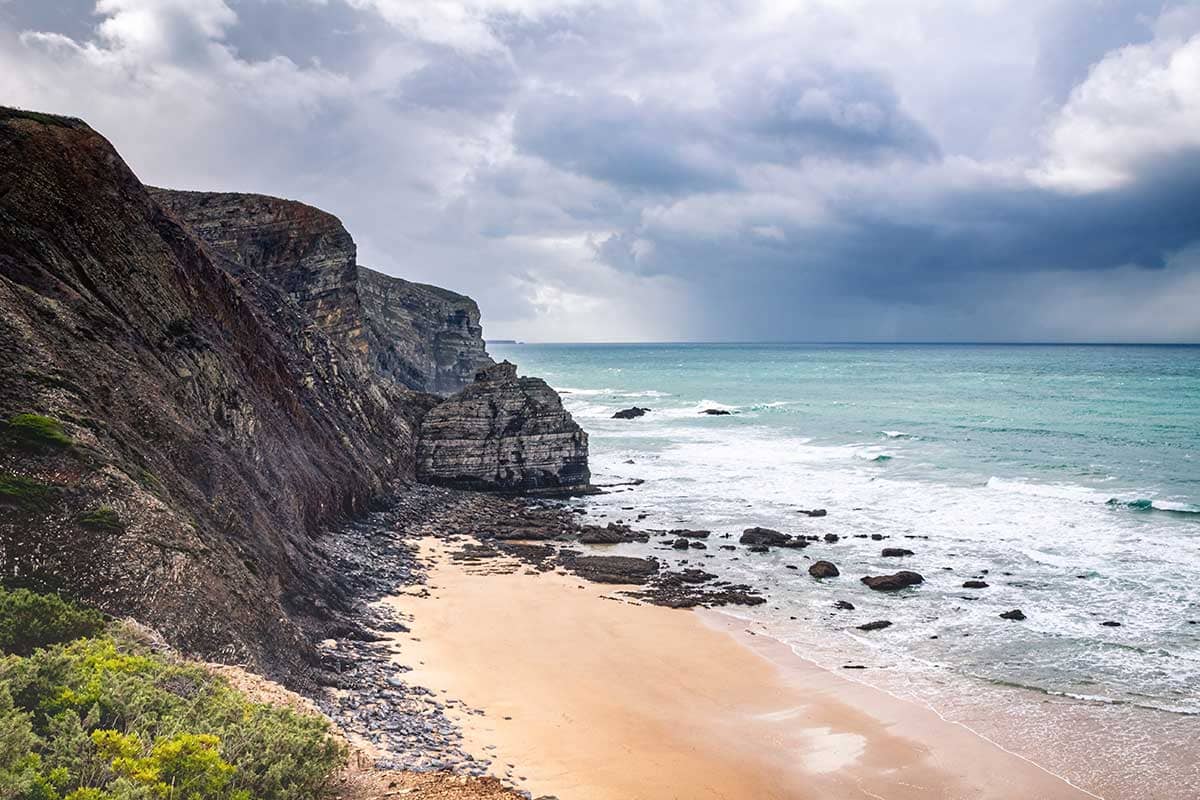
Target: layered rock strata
504 433
419 335
422 337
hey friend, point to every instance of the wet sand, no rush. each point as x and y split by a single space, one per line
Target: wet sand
594 698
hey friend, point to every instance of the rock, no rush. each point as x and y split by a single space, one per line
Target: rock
896 552
609 534
974 585
610 569
689 533
680 543
877 625
1015 614
503 433
698 546
716 412
1111 624
759 548
764 536
844 605
631 413
892 583
816 512
831 537
422 336
823 569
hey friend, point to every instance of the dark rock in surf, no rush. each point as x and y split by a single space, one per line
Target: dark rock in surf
844 605
975 585
831 537
815 512
689 533
716 412
1016 614
680 544
893 583
823 569
896 552
877 625
1111 623
764 536
631 413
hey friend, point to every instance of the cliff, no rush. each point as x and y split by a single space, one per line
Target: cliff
175 437
504 433
419 336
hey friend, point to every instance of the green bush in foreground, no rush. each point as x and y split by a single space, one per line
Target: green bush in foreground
37 432
29 620
106 719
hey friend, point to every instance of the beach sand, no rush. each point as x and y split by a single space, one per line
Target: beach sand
595 698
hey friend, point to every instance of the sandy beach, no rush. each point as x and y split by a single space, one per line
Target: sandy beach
592 697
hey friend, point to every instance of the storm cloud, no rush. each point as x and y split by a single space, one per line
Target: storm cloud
662 169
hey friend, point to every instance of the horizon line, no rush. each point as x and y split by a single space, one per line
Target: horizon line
898 342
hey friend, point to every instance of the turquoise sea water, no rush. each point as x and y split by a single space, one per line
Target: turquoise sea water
1068 477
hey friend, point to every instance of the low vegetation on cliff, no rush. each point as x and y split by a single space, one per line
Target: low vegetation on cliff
90 711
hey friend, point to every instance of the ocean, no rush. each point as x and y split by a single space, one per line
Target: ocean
1066 477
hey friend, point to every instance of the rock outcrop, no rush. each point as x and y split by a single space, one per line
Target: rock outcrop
422 337
504 433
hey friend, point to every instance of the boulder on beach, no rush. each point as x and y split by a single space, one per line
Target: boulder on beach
1016 614
823 569
896 552
877 625
764 536
892 583
630 413
610 534
611 569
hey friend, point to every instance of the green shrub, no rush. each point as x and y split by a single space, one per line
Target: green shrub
25 493
29 620
103 518
106 719
37 432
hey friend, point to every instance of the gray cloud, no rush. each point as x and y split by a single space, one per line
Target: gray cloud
611 169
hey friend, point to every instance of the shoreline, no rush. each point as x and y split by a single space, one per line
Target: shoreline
713 709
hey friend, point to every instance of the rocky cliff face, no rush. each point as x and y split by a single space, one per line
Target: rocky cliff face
504 433
420 335
303 251
173 437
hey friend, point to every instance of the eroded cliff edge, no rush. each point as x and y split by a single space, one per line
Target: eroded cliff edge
423 337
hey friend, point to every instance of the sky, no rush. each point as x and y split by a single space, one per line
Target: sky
652 170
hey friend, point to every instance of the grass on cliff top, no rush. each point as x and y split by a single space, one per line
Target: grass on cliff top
7 113
36 432
90 712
